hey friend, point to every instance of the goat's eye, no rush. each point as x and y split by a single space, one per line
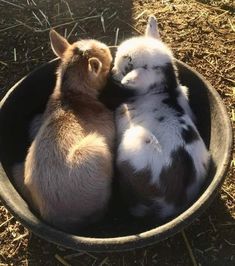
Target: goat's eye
127 57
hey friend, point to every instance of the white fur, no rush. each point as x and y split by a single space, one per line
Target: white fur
145 142
141 78
148 49
183 101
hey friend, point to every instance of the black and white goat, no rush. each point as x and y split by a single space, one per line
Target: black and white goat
161 159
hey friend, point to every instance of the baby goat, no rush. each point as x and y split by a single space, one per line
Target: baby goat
68 169
162 160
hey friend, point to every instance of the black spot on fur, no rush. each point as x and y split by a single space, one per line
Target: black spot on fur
157 92
172 103
152 87
179 114
155 109
156 67
170 79
161 118
182 122
145 67
154 90
127 57
178 176
170 86
131 100
126 70
189 135
166 101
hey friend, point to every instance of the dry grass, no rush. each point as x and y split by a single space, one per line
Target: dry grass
202 34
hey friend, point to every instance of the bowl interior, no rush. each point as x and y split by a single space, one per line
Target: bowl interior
29 97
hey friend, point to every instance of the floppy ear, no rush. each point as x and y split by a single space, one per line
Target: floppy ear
152 28
94 65
58 43
131 79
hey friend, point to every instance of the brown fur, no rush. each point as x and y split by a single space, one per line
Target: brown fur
78 67
68 169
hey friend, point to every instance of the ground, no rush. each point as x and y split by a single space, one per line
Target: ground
202 34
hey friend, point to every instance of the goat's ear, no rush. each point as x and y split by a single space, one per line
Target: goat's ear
95 65
131 79
58 43
152 28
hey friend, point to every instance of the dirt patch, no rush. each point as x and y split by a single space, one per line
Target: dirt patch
201 33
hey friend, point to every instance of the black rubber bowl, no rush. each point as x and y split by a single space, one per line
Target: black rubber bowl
29 97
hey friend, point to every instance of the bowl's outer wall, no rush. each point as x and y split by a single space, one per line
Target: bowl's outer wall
27 98
30 97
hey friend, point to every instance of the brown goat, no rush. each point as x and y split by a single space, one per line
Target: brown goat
68 169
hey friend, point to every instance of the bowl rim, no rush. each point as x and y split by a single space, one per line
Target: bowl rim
123 243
